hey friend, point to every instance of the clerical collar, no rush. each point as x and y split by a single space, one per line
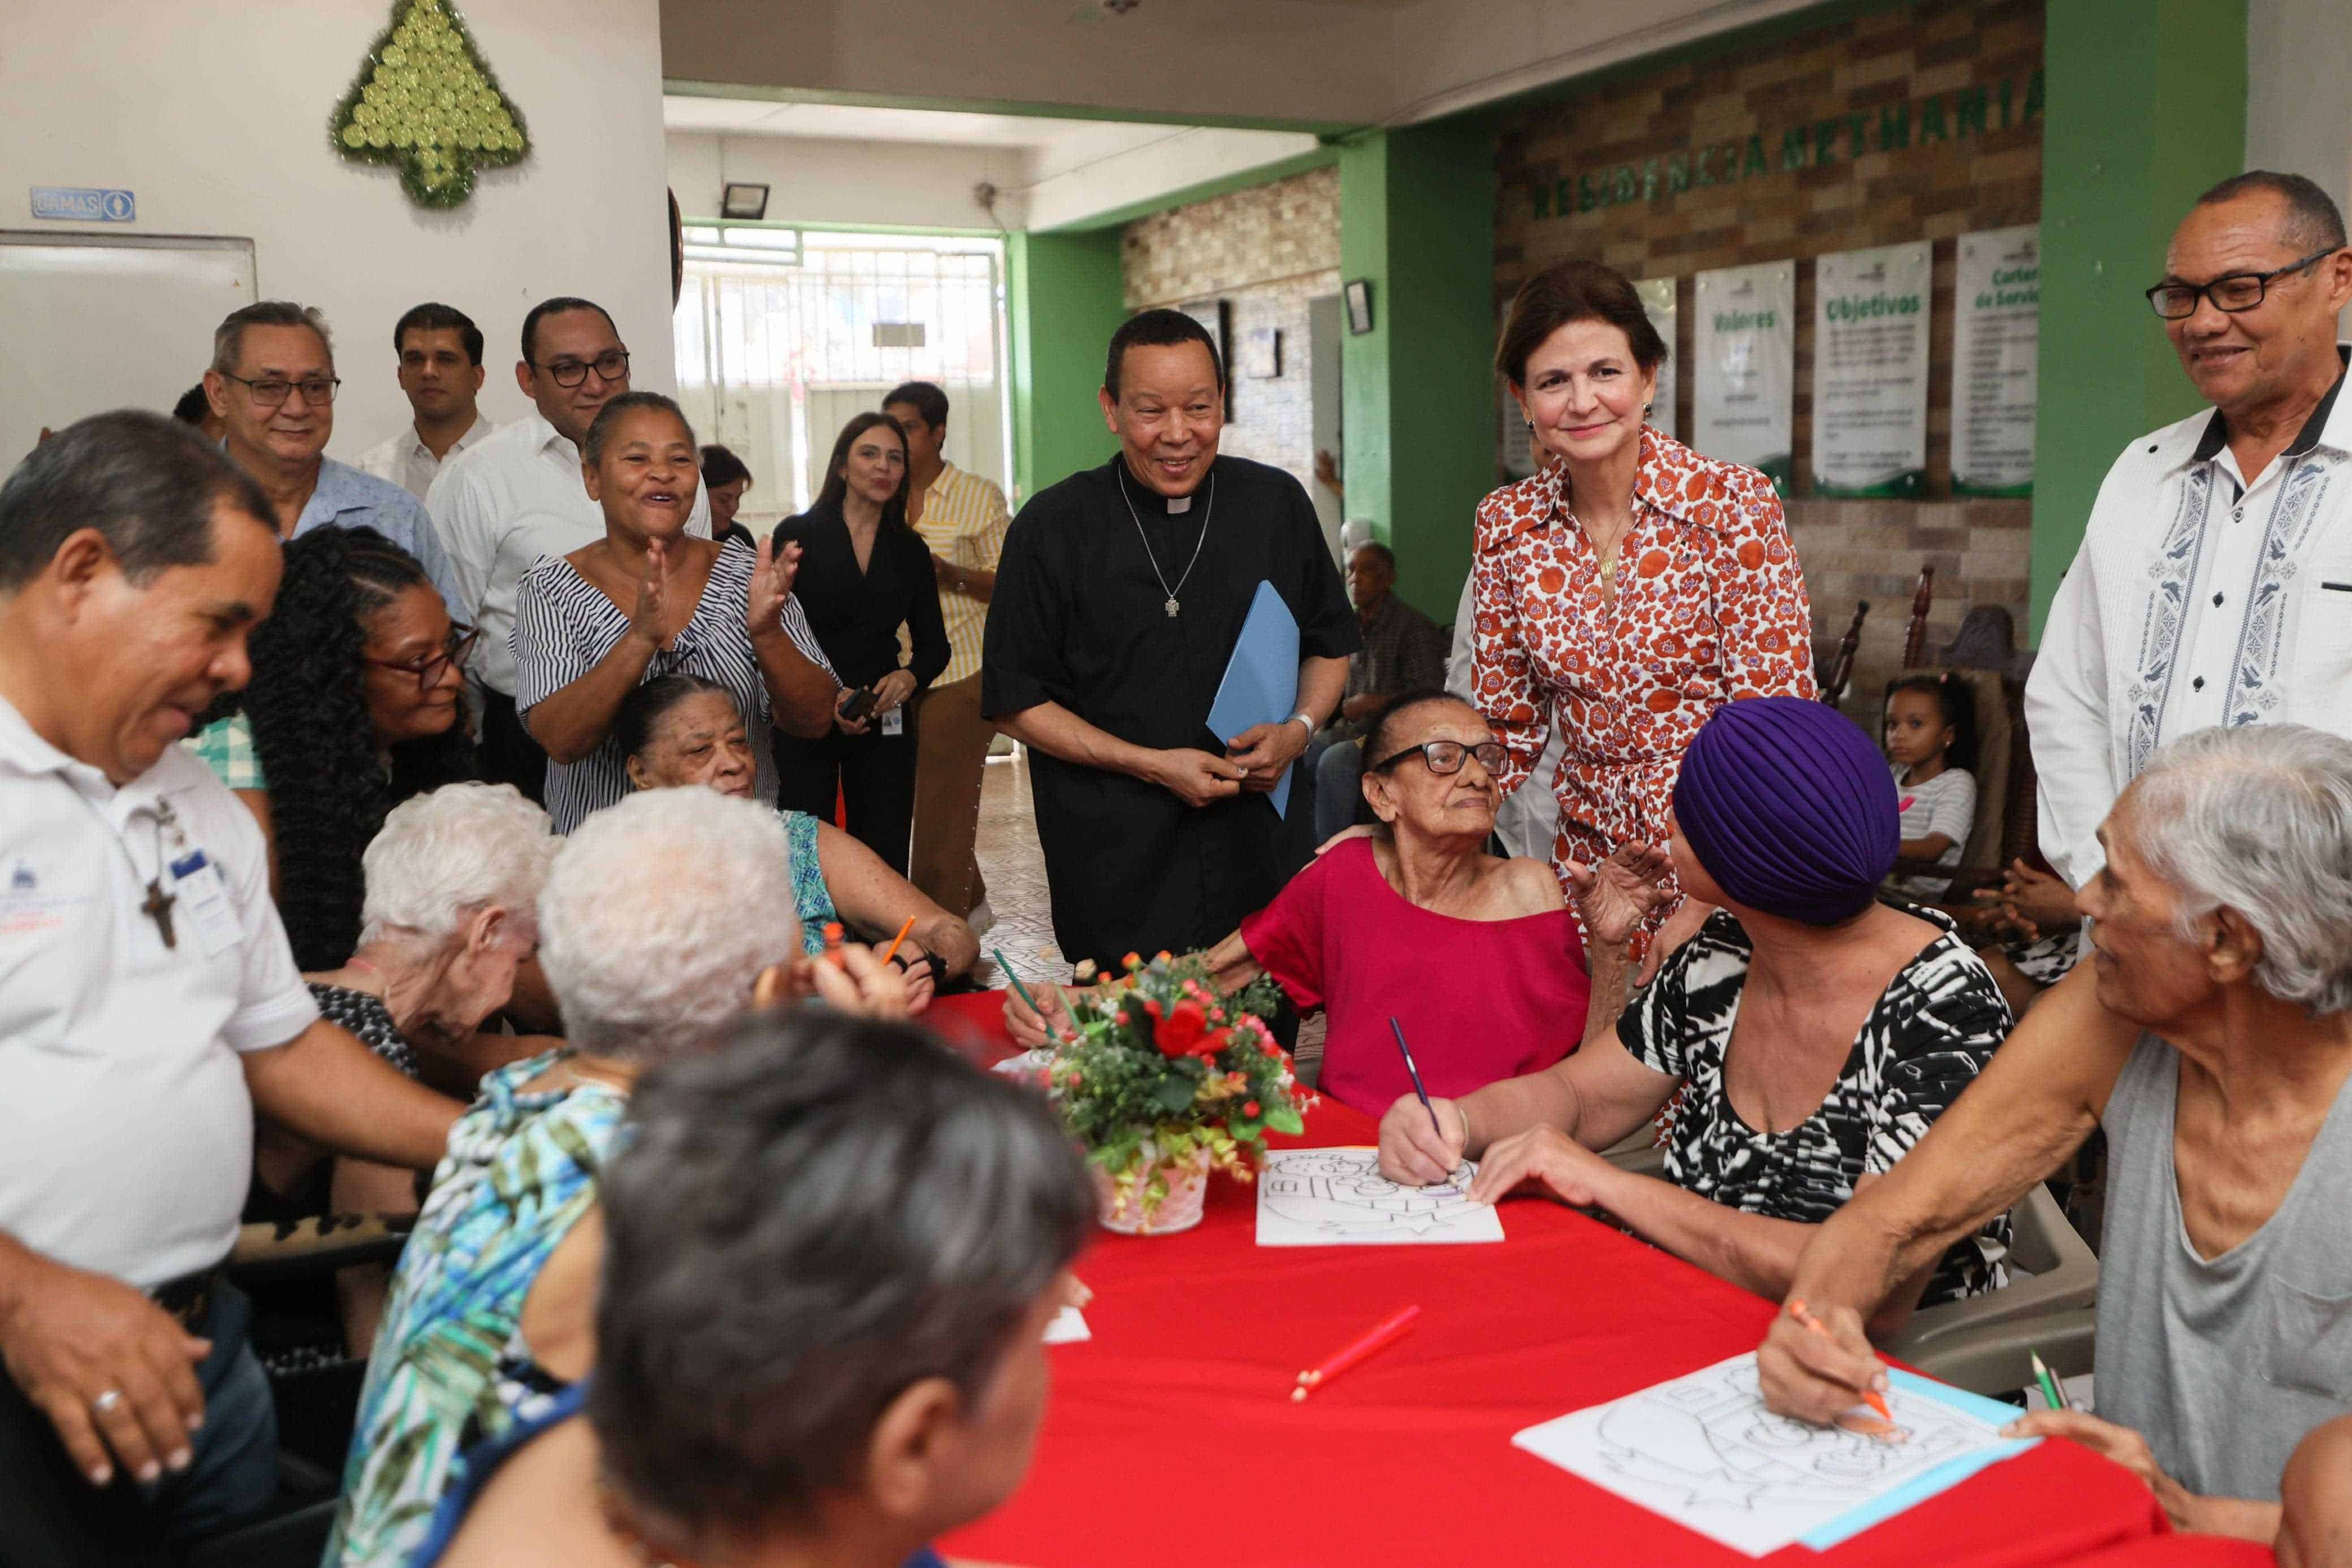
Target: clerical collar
1170 506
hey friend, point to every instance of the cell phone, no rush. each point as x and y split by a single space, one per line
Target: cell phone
861 702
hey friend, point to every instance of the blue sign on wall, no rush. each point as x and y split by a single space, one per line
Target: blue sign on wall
73 204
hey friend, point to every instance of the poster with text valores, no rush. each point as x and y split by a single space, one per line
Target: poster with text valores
1870 372
1743 344
1996 333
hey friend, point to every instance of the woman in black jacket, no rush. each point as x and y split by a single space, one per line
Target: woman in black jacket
864 572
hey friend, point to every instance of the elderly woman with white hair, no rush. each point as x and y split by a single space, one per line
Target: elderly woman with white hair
452 882
2211 1034
663 919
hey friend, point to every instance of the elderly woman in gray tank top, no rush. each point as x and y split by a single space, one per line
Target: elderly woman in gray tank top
2211 1034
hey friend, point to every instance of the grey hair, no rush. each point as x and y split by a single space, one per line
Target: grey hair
442 857
2258 820
659 914
228 338
803 1226
2313 220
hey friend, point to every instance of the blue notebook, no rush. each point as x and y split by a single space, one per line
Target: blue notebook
1261 684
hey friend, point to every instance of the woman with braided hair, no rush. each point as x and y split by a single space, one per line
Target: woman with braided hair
357 702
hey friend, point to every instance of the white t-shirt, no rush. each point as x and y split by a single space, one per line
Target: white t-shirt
405 461
126 1132
516 496
1946 804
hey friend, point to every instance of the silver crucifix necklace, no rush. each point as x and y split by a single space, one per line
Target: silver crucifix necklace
1170 606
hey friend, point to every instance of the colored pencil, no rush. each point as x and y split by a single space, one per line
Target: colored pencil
1398 1030
893 951
1019 990
1876 1400
2051 1393
1383 1334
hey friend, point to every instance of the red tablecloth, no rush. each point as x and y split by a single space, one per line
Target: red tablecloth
1172 1440
2181 1551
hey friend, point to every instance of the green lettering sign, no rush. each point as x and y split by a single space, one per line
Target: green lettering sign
1792 148
1754 162
1931 122
1968 112
1894 126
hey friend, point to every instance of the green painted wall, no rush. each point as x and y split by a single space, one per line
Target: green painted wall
2148 108
1065 298
1417 220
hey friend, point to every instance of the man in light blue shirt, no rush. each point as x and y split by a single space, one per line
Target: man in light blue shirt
273 382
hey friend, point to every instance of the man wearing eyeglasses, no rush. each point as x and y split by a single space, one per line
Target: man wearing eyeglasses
518 496
272 385
2214 581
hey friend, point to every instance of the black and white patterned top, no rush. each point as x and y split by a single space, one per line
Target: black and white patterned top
366 1016
1931 1033
564 626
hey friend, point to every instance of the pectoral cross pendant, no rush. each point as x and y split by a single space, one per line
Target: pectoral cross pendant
158 908
1171 607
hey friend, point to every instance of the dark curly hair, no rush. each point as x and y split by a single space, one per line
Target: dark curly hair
1958 701
308 704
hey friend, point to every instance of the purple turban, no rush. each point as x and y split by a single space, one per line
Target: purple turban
1790 808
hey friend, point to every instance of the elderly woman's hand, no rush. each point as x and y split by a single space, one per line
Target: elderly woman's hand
771 583
649 619
1545 1157
2126 1447
2035 900
859 983
1022 1021
1413 1152
1617 895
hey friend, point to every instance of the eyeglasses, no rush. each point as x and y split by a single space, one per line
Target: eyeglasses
611 365
427 670
271 392
1444 756
2239 291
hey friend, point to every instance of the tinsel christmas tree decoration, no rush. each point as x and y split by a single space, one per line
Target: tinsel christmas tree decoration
426 101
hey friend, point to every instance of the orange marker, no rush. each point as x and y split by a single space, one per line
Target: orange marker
899 938
1385 1334
832 943
1876 1400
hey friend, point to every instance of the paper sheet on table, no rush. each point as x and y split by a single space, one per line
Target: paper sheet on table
1261 680
1337 1198
1703 1451
1068 1327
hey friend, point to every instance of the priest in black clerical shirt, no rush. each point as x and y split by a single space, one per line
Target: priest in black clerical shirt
1119 601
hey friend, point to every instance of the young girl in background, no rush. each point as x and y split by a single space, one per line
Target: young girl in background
1931 744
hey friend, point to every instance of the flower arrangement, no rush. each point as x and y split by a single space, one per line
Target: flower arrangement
1161 1074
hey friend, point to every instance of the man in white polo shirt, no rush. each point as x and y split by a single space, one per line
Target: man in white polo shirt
519 494
149 1003
2214 581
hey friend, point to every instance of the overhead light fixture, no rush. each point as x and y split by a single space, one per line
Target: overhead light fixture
744 201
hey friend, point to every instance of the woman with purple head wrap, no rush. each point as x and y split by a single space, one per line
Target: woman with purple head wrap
1815 1031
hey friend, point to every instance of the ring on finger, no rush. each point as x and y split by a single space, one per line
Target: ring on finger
107 1401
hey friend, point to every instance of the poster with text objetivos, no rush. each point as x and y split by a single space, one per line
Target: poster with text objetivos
1870 372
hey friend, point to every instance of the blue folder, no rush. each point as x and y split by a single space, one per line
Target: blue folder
1261 684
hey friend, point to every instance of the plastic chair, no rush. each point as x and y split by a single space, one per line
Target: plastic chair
1985 1343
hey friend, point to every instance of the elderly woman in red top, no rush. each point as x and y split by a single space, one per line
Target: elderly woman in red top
1631 588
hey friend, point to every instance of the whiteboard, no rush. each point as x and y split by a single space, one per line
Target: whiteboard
102 321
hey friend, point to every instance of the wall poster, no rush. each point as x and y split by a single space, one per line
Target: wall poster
1871 309
1743 349
1996 334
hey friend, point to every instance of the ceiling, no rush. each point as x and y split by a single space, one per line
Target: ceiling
850 122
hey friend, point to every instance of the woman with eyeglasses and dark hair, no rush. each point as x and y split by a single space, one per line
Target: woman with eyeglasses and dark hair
1474 956
357 702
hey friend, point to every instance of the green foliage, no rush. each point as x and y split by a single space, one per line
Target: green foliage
426 101
1164 1067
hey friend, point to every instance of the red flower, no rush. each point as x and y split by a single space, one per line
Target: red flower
1185 1031
1131 962
1250 1109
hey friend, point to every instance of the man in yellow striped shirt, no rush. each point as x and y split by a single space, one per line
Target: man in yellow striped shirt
962 517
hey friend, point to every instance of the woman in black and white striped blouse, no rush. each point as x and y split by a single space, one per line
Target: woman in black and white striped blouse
647 601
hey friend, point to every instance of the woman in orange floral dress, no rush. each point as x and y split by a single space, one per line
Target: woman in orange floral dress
1629 589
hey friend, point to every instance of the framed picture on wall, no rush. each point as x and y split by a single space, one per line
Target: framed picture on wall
1359 306
1217 316
1262 354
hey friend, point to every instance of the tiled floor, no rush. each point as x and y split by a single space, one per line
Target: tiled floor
1009 861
